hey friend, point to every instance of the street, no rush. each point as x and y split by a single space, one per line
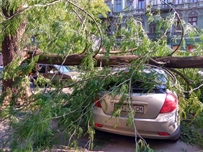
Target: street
107 142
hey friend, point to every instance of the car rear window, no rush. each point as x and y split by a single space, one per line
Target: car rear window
147 81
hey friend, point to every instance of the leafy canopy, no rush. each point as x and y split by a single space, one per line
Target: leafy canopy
67 27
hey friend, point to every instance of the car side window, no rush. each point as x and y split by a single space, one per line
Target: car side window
42 69
52 69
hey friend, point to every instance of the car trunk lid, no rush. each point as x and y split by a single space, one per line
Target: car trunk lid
147 105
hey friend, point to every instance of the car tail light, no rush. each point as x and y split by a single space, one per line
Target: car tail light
170 103
98 125
163 134
97 103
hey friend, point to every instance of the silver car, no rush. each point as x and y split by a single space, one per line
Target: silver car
58 72
155 111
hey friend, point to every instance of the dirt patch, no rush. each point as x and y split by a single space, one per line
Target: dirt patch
4 134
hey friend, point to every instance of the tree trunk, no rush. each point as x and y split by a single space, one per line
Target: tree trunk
11 51
76 59
8 47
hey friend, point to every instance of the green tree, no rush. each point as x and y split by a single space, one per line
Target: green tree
52 26
66 28
62 27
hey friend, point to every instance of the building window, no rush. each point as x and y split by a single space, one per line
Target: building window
129 4
154 2
193 18
164 5
193 21
152 28
141 4
118 5
178 1
193 1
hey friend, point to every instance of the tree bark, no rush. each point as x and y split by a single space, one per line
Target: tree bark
76 59
8 47
10 44
10 51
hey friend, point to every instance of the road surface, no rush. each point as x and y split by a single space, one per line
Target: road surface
106 142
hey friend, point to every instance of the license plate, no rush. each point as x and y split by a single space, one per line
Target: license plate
137 108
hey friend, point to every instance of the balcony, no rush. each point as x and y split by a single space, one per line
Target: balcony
188 5
134 12
177 6
162 7
127 12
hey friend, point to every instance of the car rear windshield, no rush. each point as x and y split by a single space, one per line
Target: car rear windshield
147 81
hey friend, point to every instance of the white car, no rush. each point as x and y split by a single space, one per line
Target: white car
156 110
58 72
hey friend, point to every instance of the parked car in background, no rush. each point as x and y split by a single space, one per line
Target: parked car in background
156 109
200 72
54 72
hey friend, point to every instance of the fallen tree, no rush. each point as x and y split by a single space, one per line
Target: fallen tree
76 59
61 27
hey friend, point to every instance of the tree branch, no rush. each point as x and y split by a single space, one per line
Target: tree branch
179 22
76 59
100 33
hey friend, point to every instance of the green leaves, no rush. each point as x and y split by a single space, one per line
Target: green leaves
33 128
98 7
67 27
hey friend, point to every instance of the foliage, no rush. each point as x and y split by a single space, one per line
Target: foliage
67 27
191 107
61 27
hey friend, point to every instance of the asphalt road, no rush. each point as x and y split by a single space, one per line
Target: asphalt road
106 142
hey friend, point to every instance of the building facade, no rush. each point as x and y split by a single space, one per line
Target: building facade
191 11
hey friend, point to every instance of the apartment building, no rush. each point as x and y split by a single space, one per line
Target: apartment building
191 11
